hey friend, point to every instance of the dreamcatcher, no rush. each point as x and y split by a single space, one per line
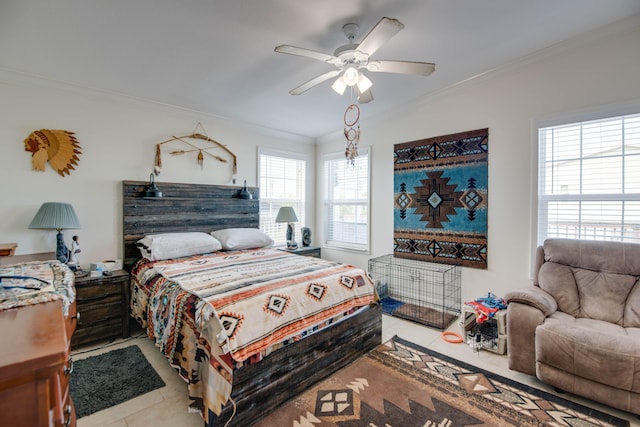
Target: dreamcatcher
352 132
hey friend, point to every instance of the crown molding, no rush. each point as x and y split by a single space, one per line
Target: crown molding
20 78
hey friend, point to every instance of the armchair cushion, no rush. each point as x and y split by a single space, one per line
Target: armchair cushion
608 257
587 293
596 350
558 281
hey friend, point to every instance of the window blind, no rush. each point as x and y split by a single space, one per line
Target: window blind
346 218
282 183
589 180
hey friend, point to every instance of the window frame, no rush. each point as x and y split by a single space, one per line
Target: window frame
363 248
582 119
301 206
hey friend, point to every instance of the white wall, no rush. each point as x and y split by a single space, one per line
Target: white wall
592 73
117 136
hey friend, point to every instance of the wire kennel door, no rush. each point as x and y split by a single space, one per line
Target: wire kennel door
423 292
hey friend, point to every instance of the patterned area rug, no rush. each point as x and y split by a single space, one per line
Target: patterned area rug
401 384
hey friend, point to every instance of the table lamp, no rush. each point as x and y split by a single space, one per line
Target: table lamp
288 215
56 216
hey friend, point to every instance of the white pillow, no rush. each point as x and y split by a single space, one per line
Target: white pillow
242 238
176 245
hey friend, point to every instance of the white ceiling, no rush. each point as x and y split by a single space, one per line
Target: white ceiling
217 56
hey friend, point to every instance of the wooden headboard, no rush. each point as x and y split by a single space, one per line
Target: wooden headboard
183 207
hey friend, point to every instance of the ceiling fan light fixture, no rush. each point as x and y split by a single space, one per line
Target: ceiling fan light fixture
364 83
339 86
351 76
351 58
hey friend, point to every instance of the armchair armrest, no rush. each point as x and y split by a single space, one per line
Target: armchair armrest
535 297
527 308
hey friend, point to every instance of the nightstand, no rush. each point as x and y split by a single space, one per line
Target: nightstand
312 251
103 307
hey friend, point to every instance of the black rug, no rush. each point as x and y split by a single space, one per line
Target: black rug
99 382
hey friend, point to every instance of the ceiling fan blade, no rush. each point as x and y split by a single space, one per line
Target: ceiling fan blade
402 67
379 35
300 51
365 97
313 82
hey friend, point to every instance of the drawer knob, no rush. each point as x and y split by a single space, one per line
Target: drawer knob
68 370
67 415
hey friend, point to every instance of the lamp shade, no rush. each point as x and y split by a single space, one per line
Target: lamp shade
286 214
364 83
58 216
339 86
351 76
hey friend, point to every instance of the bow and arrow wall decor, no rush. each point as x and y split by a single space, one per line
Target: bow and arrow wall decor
193 147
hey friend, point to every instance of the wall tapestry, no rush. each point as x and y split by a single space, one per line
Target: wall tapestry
440 199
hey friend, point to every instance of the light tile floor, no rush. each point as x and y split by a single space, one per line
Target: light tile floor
167 407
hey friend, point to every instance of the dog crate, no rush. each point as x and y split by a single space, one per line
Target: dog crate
423 292
490 335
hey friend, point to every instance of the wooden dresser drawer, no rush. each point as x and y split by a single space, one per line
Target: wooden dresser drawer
99 311
97 291
63 410
35 367
98 331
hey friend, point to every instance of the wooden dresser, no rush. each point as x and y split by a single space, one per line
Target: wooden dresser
35 364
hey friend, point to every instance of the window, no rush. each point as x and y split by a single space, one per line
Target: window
347 201
282 178
589 180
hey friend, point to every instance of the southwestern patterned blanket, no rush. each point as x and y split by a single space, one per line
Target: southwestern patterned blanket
36 282
210 313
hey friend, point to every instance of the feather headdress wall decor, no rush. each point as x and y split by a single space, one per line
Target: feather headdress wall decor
59 147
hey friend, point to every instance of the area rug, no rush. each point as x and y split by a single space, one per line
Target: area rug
401 384
99 382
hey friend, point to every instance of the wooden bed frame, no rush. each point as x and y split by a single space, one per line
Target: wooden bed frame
260 388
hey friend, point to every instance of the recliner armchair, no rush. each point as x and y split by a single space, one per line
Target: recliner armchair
577 327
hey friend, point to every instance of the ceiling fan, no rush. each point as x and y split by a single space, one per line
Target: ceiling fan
353 57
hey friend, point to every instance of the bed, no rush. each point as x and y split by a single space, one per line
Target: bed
260 380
